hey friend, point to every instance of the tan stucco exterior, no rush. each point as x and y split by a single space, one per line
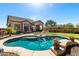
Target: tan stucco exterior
24 25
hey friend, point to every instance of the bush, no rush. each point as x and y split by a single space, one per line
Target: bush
10 31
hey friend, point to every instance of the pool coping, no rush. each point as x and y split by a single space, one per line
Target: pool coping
26 52
22 51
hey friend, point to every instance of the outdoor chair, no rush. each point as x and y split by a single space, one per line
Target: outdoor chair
71 50
1 50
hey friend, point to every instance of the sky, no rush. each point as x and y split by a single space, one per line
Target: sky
62 13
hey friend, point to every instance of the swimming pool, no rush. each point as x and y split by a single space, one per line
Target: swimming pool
33 43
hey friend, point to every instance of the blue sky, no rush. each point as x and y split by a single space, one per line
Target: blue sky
61 13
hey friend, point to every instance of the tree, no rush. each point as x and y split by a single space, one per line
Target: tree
77 25
10 30
50 23
68 25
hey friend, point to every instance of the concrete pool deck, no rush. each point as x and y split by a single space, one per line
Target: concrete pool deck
25 52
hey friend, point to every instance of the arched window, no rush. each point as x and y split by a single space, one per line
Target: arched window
26 24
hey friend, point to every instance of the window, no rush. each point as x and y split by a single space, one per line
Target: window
26 24
17 27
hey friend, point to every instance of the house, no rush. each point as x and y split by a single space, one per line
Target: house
24 24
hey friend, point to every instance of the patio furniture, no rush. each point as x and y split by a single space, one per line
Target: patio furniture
1 50
71 50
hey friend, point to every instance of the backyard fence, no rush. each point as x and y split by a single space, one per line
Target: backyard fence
64 30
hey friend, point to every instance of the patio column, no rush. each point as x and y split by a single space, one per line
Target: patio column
29 28
34 28
42 26
23 26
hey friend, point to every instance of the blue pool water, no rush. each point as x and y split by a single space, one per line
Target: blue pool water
32 43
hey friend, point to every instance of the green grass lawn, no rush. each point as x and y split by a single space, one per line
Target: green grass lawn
64 34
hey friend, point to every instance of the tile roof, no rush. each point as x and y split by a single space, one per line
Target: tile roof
20 19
